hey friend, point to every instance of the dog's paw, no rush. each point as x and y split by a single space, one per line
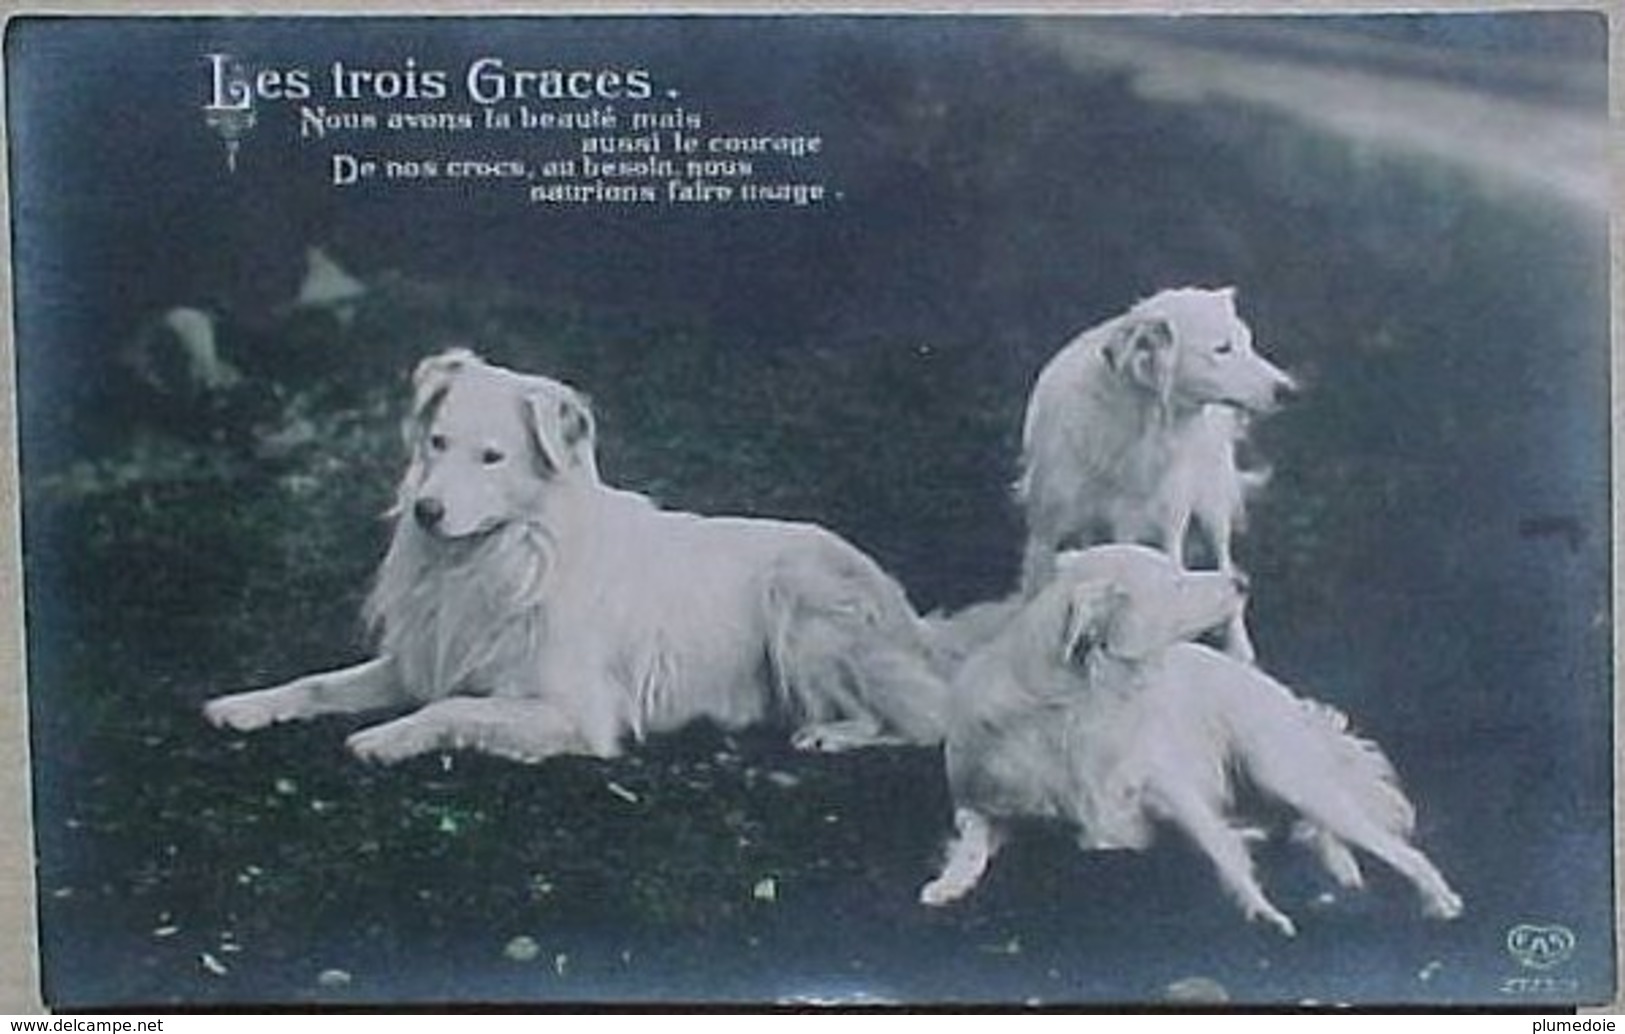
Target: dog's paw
839 737
245 712
391 742
1446 904
941 892
1274 917
1334 855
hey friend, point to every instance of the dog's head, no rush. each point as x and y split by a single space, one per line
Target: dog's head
487 443
1189 347
1128 602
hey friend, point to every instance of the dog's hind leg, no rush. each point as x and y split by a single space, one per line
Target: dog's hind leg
1354 799
819 684
969 853
363 687
1332 853
1218 524
850 658
1238 642
1439 900
518 729
1227 848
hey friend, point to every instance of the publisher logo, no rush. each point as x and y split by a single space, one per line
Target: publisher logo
1540 946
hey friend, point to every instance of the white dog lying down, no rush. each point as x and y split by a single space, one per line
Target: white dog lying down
1090 708
1131 431
528 610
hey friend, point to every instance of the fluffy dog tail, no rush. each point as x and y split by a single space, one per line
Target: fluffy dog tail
1364 769
847 647
1301 752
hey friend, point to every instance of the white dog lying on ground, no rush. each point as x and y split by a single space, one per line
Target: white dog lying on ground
528 610
1131 431
1091 708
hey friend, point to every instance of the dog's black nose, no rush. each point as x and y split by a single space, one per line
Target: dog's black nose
429 512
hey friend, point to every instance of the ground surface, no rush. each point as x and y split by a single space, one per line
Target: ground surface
1431 554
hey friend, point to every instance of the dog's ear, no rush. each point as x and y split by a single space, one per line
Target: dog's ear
1142 350
561 424
1102 615
1091 611
430 382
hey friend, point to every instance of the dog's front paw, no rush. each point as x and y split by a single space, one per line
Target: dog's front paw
1274 917
942 891
246 712
391 742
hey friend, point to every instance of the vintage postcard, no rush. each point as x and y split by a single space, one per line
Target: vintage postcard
1052 509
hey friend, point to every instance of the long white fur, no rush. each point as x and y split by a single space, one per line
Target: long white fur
1091 707
529 610
1131 432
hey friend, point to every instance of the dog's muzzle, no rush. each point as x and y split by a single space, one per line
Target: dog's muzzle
1267 400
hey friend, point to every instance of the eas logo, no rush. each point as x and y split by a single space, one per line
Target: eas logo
1540 947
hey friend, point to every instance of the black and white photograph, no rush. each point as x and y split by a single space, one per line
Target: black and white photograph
869 510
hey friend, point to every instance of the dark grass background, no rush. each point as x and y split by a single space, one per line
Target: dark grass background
1432 554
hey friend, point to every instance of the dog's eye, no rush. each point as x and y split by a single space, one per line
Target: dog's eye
1226 348
491 457
437 442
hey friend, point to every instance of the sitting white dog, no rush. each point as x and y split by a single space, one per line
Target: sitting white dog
1091 708
1131 431
526 609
